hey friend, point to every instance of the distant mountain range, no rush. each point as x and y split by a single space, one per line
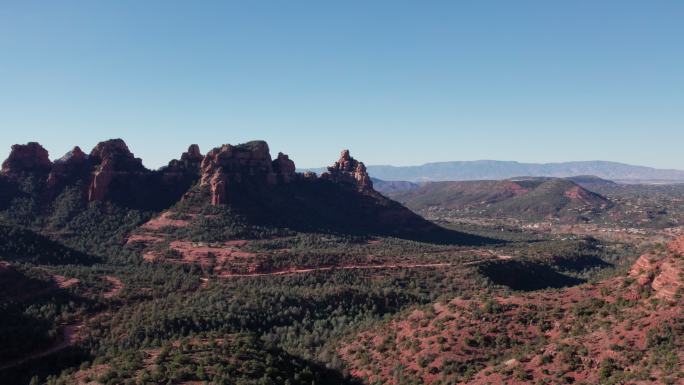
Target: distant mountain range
497 170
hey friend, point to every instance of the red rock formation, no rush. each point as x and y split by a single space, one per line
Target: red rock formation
217 184
25 159
74 156
668 281
189 161
644 269
284 167
97 191
664 272
349 170
112 173
251 163
69 168
116 152
110 159
193 154
362 177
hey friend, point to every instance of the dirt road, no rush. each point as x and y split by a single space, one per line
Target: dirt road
70 335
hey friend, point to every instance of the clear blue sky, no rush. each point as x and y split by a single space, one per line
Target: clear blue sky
397 82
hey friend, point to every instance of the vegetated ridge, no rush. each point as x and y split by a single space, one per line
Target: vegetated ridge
496 170
535 198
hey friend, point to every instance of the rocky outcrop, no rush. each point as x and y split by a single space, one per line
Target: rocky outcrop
181 174
284 168
242 165
350 171
76 155
217 184
235 162
111 159
190 161
664 272
669 280
230 164
110 172
262 190
25 159
115 153
192 155
644 269
70 168
118 176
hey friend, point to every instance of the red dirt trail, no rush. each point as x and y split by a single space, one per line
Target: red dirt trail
344 267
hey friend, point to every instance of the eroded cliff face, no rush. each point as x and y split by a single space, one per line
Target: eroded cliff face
262 190
284 168
663 271
243 165
251 163
349 170
112 160
68 170
110 172
189 161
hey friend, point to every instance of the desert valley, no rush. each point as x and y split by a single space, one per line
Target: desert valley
232 267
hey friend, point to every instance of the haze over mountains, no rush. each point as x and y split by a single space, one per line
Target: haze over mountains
495 170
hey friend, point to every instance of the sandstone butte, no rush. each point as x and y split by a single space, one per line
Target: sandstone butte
110 171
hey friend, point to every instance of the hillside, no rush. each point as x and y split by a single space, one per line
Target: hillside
231 267
590 180
244 179
388 187
624 330
497 170
533 198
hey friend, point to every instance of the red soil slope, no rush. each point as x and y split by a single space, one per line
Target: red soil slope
624 330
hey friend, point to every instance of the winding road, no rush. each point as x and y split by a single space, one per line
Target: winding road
359 267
